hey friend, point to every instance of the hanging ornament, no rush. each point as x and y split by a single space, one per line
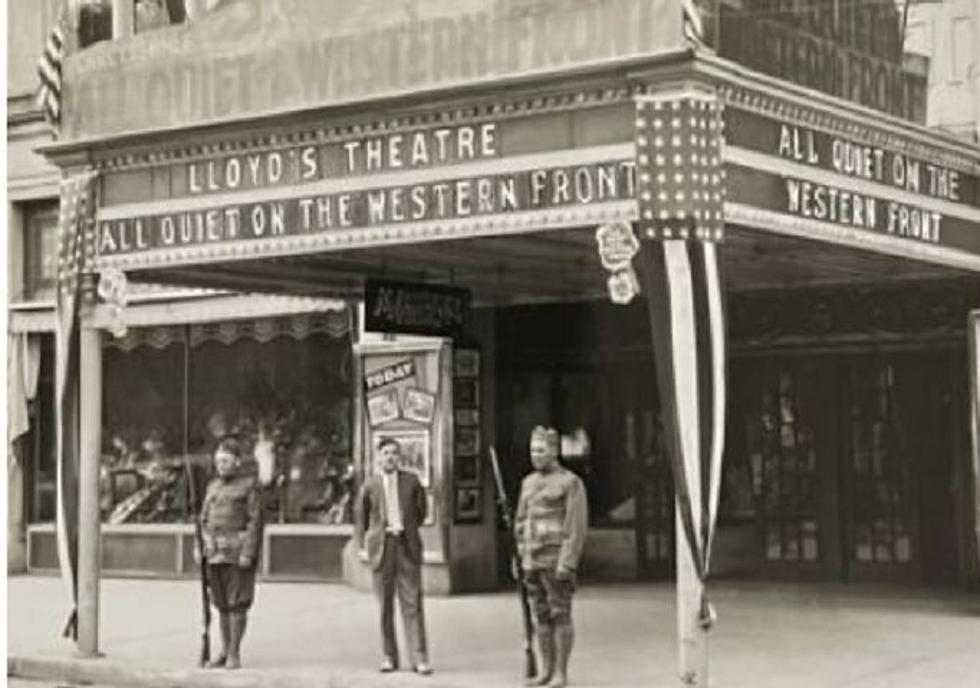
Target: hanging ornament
113 292
617 245
623 286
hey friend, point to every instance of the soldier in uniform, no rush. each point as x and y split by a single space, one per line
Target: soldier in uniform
550 526
231 525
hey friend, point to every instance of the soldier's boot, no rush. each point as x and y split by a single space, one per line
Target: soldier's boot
238 623
546 656
224 623
564 639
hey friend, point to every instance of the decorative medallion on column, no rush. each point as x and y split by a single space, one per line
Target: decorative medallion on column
112 290
618 246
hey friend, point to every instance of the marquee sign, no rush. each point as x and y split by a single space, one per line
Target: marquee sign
331 207
758 39
407 308
382 181
812 174
262 57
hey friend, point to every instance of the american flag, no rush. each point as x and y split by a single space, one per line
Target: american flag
76 245
49 69
680 182
680 176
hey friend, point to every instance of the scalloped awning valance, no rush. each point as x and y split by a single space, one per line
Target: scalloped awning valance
299 326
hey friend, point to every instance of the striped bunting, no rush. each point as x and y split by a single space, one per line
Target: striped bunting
76 228
681 222
49 70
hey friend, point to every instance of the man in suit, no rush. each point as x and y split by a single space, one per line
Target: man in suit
390 509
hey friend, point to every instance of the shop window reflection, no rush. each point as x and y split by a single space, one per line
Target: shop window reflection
287 399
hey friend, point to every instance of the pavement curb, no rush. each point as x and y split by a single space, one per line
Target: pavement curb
107 672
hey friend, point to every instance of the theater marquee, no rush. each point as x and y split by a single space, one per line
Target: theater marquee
389 185
881 189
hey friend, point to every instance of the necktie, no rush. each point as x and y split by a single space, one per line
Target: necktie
391 502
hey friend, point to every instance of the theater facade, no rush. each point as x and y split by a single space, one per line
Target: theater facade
445 168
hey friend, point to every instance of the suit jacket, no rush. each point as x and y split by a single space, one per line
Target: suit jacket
370 519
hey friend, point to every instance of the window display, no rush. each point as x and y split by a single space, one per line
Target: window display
283 390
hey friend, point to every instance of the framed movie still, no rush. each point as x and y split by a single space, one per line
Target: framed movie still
467 441
468 470
467 505
420 406
466 418
416 451
466 393
383 407
466 362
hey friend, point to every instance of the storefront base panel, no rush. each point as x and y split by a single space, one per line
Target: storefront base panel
609 555
16 542
357 573
736 551
167 551
473 564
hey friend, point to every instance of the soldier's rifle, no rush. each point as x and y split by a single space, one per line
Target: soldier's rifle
503 506
195 510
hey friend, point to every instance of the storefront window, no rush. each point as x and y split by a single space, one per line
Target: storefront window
40 250
156 14
282 386
94 22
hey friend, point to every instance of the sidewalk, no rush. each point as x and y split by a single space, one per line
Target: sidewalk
769 635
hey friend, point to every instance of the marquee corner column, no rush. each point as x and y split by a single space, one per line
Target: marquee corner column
680 204
90 440
692 637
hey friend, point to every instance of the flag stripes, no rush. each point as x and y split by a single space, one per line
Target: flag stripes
76 229
49 69
680 203
684 297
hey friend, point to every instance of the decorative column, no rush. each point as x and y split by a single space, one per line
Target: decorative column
90 440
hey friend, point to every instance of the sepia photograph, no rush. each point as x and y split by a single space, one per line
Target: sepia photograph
464 417
383 407
467 470
467 504
466 393
486 343
420 406
466 362
467 441
414 451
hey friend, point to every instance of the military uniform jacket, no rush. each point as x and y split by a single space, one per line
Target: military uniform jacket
231 520
551 521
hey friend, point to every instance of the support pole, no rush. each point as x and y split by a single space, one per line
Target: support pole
89 525
692 640
123 18
195 9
